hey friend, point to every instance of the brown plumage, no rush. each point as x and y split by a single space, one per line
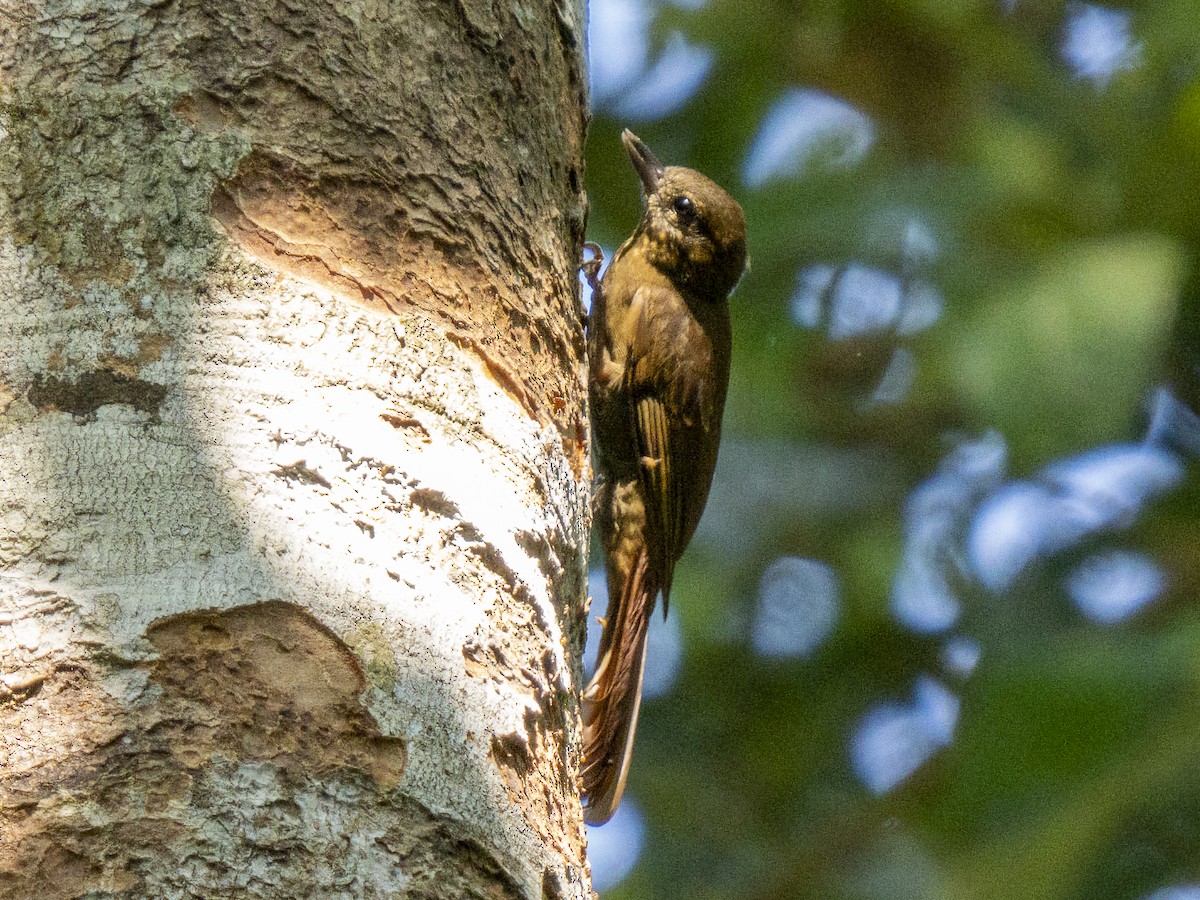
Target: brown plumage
659 348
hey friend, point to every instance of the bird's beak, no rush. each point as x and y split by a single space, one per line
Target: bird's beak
648 167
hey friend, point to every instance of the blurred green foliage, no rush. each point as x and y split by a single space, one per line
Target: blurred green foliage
1066 216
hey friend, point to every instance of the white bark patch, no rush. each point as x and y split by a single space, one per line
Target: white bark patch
315 385
307 451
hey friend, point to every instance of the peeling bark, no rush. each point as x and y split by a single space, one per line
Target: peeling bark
293 469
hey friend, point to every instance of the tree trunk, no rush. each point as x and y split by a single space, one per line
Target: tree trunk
293 468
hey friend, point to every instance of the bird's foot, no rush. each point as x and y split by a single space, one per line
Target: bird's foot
591 267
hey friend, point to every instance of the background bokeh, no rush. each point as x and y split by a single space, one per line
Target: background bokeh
937 637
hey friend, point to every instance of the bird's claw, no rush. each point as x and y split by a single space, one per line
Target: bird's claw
591 271
591 267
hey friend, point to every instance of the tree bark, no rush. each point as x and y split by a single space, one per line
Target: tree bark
293 477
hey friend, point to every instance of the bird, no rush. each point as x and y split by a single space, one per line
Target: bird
659 348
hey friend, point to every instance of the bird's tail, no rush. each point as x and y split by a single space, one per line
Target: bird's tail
611 701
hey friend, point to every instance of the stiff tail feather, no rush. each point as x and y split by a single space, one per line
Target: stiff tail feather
612 699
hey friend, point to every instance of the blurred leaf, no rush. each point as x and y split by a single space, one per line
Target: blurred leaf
1064 359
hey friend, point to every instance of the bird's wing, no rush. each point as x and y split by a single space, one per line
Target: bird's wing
661 482
669 395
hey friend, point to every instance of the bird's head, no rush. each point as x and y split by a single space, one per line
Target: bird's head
691 229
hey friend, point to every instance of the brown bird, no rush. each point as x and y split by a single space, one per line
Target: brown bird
659 349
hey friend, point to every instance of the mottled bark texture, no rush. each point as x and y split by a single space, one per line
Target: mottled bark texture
292 459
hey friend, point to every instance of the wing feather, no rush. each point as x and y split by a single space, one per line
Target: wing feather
674 384
661 482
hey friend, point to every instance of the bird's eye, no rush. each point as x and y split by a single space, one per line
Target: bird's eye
684 207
